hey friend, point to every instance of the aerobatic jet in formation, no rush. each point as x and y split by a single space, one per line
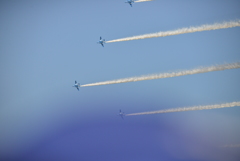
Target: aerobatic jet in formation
130 2
121 114
77 85
101 41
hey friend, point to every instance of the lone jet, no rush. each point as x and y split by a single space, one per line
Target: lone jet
121 114
77 85
101 41
130 2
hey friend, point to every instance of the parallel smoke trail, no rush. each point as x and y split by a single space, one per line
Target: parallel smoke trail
182 31
208 107
168 75
142 1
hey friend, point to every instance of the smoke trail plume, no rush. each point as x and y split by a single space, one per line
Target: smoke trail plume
182 31
168 75
208 107
231 146
142 1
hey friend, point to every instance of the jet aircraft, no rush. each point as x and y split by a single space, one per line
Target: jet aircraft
77 85
121 114
101 41
130 2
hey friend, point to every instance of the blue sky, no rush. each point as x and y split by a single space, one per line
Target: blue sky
47 45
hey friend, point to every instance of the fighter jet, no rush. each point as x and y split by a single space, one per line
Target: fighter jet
130 2
77 85
121 114
101 41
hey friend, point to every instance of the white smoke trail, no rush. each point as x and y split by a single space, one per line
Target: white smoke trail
231 146
168 75
208 107
142 1
182 31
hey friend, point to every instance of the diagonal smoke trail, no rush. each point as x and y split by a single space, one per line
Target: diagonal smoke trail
208 107
168 75
215 26
142 1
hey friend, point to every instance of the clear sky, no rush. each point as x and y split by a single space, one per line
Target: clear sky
47 45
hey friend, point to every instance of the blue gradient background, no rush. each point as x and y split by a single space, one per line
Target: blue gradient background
47 45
